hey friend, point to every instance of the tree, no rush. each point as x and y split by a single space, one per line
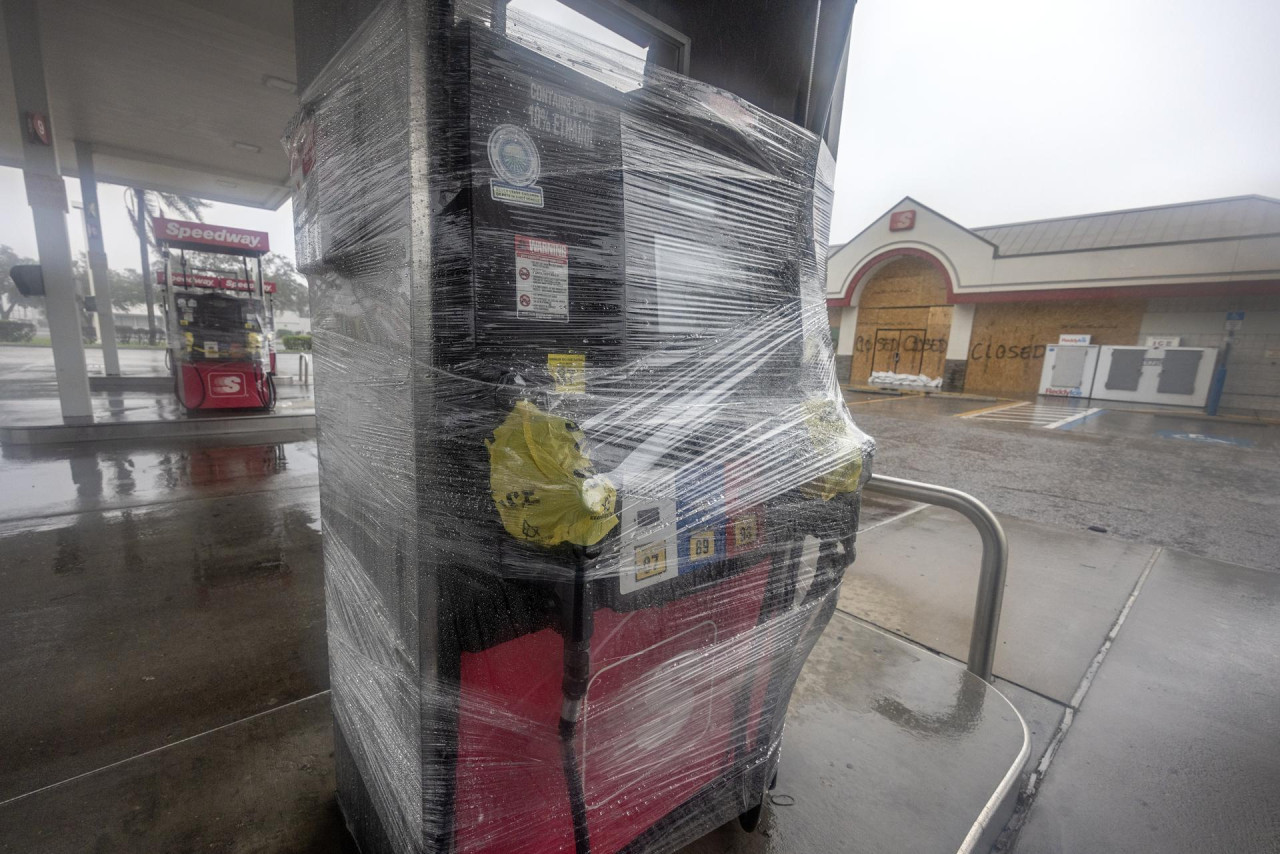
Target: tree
291 287
9 296
157 203
142 211
126 285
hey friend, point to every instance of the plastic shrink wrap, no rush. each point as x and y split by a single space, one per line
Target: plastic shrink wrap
218 330
588 482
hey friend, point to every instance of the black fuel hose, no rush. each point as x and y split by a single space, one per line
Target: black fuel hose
204 392
573 777
577 627
268 389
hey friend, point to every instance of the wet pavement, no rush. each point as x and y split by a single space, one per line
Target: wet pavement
1175 749
1171 746
1217 499
189 598
29 389
163 669
164 674
42 481
1168 427
1095 417
918 578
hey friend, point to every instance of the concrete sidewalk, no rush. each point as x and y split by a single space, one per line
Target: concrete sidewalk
1171 741
1176 748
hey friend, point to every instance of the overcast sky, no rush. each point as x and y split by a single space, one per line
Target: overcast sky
991 111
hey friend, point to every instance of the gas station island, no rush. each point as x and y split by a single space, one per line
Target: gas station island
220 329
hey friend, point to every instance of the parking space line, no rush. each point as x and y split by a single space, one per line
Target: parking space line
996 408
886 399
1030 422
1071 419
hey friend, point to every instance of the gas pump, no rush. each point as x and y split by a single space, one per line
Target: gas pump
587 483
220 322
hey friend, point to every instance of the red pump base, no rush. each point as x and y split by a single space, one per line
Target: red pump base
226 385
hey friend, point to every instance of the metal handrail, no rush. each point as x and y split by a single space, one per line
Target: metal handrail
995 559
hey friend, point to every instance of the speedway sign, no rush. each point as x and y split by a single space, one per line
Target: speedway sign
202 237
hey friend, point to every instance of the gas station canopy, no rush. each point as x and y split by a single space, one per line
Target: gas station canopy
188 97
191 96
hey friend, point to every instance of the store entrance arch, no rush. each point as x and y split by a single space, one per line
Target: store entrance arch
903 321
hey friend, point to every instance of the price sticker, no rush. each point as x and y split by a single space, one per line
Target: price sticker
702 544
651 560
745 532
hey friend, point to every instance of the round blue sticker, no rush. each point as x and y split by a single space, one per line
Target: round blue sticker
514 156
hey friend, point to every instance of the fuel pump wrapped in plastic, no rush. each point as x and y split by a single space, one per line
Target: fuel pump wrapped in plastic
588 482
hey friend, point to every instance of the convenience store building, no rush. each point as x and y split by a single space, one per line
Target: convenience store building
916 293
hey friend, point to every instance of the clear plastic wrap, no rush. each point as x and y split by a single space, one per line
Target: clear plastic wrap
588 482
219 331
214 326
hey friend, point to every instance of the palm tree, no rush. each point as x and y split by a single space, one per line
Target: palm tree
142 207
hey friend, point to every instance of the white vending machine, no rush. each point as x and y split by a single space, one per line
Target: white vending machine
1069 370
1172 375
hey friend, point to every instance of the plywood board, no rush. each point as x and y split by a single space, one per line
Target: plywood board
1006 351
916 336
904 283
903 322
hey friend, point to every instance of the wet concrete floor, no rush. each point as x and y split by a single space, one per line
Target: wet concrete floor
1177 745
190 597
918 578
163 674
266 783
29 388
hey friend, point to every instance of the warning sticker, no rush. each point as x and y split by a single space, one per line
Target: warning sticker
542 279
569 371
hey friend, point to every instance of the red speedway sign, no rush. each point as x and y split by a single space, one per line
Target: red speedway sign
201 280
210 238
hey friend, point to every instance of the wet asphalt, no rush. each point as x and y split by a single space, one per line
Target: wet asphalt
1144 478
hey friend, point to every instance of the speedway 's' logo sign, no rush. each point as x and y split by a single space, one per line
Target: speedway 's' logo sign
226 385
201 236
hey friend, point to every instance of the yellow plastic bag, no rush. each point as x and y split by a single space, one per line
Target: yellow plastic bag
542 482
836 446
